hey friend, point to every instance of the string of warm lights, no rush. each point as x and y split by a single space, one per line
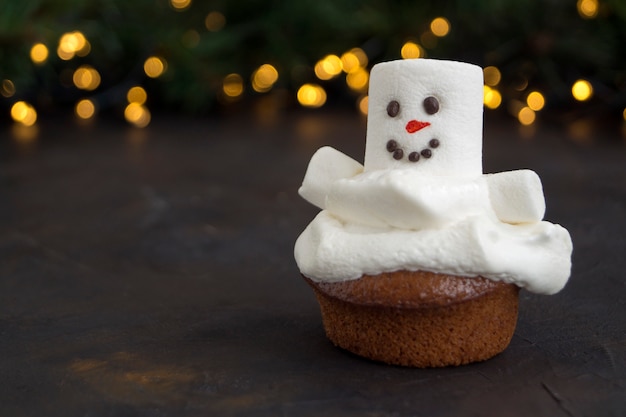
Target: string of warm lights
351 66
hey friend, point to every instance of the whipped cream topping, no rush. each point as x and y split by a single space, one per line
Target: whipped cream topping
389 220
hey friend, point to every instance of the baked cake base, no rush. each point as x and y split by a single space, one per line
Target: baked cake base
420 319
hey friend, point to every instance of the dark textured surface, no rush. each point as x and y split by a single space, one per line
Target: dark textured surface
151 273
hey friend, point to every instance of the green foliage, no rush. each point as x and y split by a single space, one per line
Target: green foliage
546 43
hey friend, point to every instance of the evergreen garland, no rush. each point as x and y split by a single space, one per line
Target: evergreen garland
542 44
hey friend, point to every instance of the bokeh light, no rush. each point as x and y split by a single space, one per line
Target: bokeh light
535 100
23 113
411 50
587 9
440 26
264 77
232 85
526 116
492 76
86 78
180 5
84 51
328 67
214 21
353 59
66 56
363 104
7 89
73 43
358 80
624 114
137 115
137 95
85 109
491 97
582 90
154 66
311 95
39 53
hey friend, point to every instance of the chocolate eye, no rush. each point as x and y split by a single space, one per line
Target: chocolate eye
431 105
393 108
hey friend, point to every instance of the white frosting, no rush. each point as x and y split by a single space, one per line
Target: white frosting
438 214
535 256
398 198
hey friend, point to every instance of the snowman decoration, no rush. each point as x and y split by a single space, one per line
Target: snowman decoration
422 177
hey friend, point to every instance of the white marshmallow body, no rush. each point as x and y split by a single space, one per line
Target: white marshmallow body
326 166
457 125
516 196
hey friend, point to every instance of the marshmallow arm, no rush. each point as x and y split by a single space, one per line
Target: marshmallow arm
516 196
326 166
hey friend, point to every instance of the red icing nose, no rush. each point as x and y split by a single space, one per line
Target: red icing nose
415 125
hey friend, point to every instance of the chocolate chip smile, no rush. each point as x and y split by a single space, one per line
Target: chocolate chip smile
398 153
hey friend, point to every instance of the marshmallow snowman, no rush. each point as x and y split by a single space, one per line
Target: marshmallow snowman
425 115
423 156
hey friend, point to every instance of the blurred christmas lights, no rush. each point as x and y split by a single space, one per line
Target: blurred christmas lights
354 63
137 95
328 67
582 90
411 50
353 59
23 113
363 104
492 76
491 97
311 95
526 116
358 80
232 85
535 100
154 66
263 78
180 5
85 109
71 44
7 89
86 78
137 115
440 26
588 9
39 53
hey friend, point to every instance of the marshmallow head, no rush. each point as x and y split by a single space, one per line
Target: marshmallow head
425 115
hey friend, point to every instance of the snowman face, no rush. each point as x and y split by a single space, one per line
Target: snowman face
425 115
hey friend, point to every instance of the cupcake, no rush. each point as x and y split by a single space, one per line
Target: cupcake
417 257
